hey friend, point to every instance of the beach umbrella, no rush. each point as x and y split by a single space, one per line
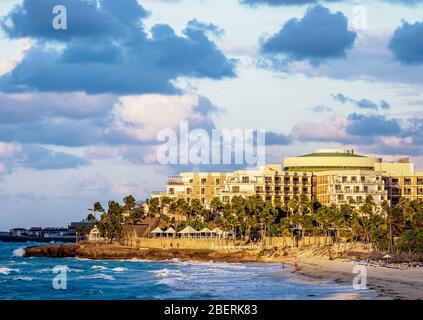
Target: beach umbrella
170 231
206 231
157 230
188 231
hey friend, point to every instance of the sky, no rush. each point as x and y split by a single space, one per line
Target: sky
80 108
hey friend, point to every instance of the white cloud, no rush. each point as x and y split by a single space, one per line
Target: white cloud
143 116
7 64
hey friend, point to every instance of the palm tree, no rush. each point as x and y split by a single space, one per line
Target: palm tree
97 207
293 205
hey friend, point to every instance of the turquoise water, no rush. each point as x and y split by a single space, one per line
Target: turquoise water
32 278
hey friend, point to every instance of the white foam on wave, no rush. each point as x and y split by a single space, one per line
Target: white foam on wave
99 268
167 273
23 278
46 270
19 252
6 271
97 276
120 269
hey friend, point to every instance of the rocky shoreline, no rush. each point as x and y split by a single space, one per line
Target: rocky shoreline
115 252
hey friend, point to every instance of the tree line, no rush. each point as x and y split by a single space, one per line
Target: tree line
388 228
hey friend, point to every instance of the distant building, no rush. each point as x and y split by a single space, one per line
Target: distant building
95 235
330 176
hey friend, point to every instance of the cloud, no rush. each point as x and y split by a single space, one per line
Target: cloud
374 134
318 36
362 103
274 138
320 108
107 49
372 125
369 60
254 3
140 116
76 120
331 129
33 107
406 43
35 157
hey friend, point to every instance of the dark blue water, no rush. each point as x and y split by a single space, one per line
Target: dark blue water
32 278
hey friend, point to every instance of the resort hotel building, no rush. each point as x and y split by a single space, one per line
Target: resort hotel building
329 176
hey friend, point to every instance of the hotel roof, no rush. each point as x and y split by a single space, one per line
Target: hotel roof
331 154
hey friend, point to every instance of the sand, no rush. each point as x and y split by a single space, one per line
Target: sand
388 283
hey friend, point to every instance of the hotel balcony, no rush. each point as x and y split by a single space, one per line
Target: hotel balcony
175 181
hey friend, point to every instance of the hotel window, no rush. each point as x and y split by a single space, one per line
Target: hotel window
344 179
295 180
203 181
189 190
217 181
354 179
305 190
203 200
363 179
407 182
203 191
295 190
268 179
286 190
172 191
245 179
277 179
287 180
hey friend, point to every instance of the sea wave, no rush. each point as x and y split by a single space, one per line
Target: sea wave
47 270
6 271
99 268
19 252
97 276
23 278
120 269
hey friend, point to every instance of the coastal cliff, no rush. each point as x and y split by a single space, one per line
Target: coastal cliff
108 252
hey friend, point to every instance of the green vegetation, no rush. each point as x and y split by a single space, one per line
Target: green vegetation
394 228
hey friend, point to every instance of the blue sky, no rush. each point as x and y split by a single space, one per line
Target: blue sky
80 109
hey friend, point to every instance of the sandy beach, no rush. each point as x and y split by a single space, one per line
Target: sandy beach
388 283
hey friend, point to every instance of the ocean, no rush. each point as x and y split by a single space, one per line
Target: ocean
73 278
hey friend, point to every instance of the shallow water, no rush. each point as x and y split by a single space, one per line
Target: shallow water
33 278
